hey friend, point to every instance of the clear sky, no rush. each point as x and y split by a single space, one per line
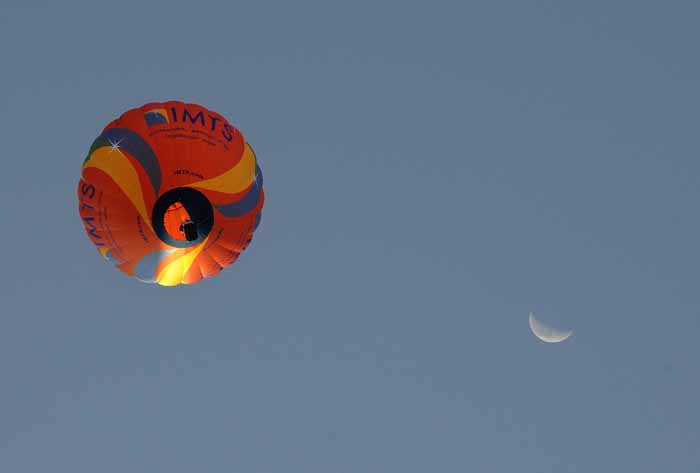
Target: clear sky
433 171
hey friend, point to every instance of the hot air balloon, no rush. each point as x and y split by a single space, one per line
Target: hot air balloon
170 193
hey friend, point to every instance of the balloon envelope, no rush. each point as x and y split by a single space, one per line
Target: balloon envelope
170 193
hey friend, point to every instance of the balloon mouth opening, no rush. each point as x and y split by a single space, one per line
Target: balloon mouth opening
182 217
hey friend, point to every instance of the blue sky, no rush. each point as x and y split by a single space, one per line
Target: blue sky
433 171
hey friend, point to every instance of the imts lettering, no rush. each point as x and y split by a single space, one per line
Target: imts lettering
88 192
203 120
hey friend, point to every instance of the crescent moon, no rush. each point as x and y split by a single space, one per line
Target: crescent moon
546 333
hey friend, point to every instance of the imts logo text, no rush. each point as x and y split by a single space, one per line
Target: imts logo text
88 193
160 116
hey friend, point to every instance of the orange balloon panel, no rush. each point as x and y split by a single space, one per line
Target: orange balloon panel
170 193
